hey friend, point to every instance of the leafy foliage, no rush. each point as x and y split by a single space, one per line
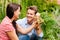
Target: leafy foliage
48 10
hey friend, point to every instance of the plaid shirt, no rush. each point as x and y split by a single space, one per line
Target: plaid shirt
5 27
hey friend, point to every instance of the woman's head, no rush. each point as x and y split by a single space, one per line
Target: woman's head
13 10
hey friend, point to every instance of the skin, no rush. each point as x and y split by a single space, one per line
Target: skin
30 16
16 14
38 28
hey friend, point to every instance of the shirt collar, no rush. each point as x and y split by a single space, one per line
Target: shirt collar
26 21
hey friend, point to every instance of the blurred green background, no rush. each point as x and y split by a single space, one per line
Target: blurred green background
49 10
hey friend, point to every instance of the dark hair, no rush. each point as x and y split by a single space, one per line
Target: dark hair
33 8
11 8
10 13
14 25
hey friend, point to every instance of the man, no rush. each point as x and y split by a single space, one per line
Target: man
33 33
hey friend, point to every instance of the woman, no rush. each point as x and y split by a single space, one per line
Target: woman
7 31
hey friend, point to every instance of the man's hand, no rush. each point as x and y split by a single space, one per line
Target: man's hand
39 19
38 24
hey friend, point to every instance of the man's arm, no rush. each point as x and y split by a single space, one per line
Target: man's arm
38 25
38 31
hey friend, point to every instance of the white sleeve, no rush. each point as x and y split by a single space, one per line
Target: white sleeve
19 22
41 34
